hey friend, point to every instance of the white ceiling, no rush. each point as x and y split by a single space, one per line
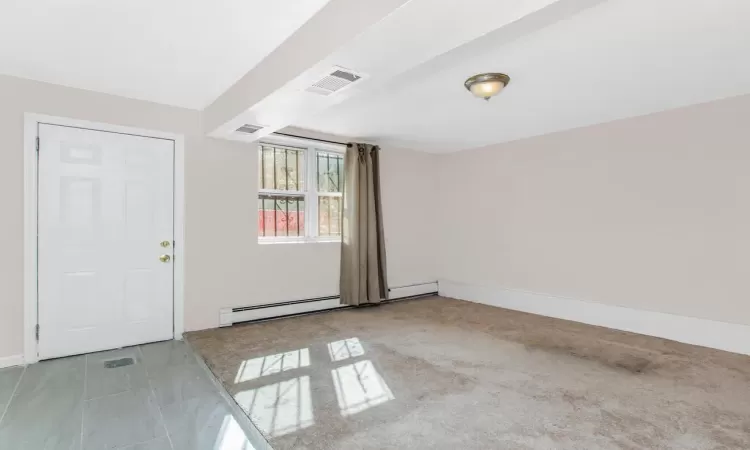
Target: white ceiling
413 34
177 52
617 59
572 63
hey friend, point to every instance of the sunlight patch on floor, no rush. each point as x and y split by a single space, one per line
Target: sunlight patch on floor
231 436
359 386
345 349
279 408
272 364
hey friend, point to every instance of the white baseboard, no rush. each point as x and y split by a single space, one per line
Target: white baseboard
10 361
229 316
411 290
706 333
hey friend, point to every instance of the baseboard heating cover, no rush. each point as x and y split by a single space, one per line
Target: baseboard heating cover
230 316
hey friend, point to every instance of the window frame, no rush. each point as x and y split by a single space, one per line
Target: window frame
309 194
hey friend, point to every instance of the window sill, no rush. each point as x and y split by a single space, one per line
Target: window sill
274 241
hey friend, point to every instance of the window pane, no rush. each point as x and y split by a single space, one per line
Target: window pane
260 168
329 216
330 171
266 163
293 165
299 170
281 216
281 168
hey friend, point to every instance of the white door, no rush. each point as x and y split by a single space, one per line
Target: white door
105 207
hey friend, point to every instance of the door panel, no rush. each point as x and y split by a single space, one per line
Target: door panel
105 205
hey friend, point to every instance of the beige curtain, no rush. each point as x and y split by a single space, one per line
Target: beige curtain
363 274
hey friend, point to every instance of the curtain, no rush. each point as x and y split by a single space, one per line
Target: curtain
363 268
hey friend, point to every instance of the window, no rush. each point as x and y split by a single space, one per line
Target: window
300 193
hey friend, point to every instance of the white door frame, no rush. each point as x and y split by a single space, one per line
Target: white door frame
30 196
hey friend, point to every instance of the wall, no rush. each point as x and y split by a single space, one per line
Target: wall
649 213
237 271
19 96
224 264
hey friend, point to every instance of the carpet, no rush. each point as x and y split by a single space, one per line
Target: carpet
438 373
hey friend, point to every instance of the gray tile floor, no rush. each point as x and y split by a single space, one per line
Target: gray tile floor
165 401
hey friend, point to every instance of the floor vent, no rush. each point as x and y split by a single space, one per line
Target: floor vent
248 129
338 79
114 363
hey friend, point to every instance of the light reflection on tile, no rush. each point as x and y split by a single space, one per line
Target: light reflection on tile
345 349
279 408
60 402
231 436
269 365
359 386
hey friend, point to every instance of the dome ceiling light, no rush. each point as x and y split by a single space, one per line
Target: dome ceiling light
487 85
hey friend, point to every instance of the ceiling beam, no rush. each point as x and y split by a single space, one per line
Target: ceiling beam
334 25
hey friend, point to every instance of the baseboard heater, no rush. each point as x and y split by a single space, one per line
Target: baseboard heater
231 316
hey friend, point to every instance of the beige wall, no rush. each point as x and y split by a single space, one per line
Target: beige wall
234 270
225 266
650 213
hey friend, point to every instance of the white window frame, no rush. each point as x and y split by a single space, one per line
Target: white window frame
310 148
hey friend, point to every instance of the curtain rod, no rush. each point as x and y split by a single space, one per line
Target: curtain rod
310 139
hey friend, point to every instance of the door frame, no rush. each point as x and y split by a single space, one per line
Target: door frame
30 198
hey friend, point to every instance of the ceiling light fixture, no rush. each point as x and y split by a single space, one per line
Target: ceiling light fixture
487 85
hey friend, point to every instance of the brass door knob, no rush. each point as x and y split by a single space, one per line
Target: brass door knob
165 244
165 258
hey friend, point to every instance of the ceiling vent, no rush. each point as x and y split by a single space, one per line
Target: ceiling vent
248 129
338 79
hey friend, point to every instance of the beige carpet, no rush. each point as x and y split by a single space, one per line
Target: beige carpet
438 373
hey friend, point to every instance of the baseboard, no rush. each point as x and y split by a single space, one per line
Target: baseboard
703 332
229 316
10 361
412 290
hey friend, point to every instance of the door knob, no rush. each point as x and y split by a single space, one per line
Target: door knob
164 258
165 244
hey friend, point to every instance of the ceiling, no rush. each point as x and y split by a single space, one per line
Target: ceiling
572 63
612 60
176 52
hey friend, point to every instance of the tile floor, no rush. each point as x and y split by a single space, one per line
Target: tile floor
165 401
